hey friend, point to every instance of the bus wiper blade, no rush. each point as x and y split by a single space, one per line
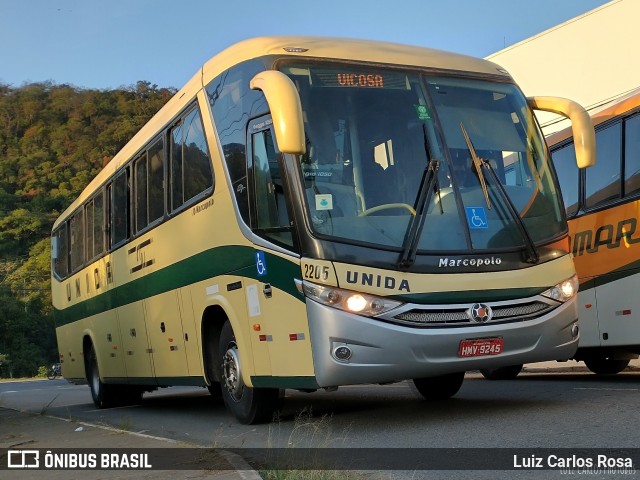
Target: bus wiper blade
477 163
428 185
532 254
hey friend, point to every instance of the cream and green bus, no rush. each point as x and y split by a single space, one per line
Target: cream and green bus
307 213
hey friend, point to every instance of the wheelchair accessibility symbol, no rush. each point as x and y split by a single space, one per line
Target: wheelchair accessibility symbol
476 217
261 264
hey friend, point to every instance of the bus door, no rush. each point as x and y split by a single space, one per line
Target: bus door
284 333
123 272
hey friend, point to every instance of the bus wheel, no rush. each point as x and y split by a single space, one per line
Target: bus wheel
104 396
248 405
605 366
215 389
502 373
441 387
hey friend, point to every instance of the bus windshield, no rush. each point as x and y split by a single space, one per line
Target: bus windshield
373 135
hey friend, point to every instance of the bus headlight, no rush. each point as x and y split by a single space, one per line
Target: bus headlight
348 300
564 290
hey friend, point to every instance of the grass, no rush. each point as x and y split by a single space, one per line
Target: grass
22 379
126 424
309 433
45 407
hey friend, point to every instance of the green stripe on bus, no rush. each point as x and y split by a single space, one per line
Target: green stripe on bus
229 260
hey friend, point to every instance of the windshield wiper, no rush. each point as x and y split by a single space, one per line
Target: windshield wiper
479 163
428 185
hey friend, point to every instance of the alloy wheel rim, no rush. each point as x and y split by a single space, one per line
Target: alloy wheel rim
231 372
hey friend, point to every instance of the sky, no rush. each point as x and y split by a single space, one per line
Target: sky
105 44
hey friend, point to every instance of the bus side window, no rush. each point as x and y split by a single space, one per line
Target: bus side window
191 171
120 208
140 182
269 197
94 216
76 237
632 156
564 159
155 182
603 182
60 251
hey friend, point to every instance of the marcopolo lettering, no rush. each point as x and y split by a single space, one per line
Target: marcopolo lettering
372 280
468 262
590 241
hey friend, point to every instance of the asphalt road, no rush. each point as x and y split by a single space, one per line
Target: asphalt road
551 410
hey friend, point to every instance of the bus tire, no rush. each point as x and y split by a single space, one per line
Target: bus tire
104 396
215 390
440 387
602 365
501 373
248 405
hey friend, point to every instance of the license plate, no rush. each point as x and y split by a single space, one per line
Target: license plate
481 347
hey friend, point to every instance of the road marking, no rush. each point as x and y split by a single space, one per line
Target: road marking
115 430
245 470
11 391
609 389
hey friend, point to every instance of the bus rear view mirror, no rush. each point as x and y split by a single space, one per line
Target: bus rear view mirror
581 125
286 111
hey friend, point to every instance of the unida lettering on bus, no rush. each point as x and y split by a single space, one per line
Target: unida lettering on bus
590 241
379 281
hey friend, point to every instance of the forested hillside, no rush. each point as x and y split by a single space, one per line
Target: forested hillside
53 140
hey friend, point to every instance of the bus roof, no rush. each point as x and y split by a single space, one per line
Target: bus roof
294 47
602 113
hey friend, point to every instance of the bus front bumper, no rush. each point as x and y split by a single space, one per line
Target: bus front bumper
380 352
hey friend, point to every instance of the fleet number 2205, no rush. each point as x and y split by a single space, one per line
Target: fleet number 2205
315 272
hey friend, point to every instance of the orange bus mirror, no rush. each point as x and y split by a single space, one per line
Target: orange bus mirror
584 138
286 111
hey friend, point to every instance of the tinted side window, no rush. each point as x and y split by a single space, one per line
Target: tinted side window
120 208
140 180
155 185
176 167
196 164
60 251
94 216
564 159
603 180
76 240
271 215
632 156
191 172
233 103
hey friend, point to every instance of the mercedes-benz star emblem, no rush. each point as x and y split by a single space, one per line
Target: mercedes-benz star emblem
480 313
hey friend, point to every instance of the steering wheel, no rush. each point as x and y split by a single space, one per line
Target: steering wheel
387 206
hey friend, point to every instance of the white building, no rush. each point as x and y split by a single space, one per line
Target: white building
592 59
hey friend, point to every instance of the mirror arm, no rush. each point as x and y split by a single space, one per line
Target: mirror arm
581 125
286 110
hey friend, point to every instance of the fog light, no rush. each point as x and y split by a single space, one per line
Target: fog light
575 330
342 353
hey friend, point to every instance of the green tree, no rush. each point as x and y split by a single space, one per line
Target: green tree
53 140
